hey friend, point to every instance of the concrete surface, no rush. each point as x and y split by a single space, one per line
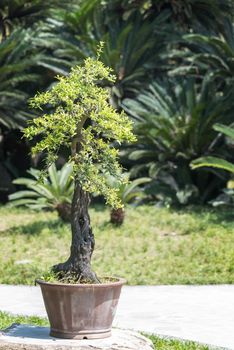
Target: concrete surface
28 337
200 313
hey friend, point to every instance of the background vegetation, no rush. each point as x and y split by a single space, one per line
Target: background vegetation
174 68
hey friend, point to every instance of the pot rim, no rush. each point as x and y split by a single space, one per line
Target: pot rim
120 281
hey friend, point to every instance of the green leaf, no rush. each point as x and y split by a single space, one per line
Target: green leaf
65 176
25 181
226 130
132 186
22 194
212 162
135 155
53 176
23 202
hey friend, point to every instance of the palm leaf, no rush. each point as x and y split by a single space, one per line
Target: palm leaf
65 180
23 194
53 176
129 189
213 162
226 130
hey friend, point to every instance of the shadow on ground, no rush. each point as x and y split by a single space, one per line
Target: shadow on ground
35 228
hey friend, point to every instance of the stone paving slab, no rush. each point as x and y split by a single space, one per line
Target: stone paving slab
26 337
200 313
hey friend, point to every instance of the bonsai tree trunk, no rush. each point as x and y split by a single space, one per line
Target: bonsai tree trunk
117 216
82 246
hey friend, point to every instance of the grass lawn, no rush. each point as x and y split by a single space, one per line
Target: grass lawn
154 246
160 344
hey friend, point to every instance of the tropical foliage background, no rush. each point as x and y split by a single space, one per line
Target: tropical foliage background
174 62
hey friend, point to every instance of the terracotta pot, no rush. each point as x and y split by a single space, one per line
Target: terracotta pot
81 311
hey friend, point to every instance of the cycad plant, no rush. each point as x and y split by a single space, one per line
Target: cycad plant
133 44
17 56
198 15
27 65
53 193
205 53
173 123
127 193
25 13
23 69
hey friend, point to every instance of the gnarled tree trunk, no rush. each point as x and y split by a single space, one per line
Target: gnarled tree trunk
82 246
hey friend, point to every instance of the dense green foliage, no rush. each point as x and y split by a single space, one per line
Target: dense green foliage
189 246
174 122
162 53
23 49
16 59
26 66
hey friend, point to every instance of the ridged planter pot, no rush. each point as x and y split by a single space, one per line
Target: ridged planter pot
81 311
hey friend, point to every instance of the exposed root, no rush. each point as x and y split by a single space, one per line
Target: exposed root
68 273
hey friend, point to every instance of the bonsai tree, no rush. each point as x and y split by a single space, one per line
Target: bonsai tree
83 120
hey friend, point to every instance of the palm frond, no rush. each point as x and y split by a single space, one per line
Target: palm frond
213 162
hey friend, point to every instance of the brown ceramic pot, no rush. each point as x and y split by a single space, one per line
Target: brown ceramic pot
81 311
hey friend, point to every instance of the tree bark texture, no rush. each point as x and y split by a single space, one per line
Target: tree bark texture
82 246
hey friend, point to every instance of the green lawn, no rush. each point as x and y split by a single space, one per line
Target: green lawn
160 344
154 246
